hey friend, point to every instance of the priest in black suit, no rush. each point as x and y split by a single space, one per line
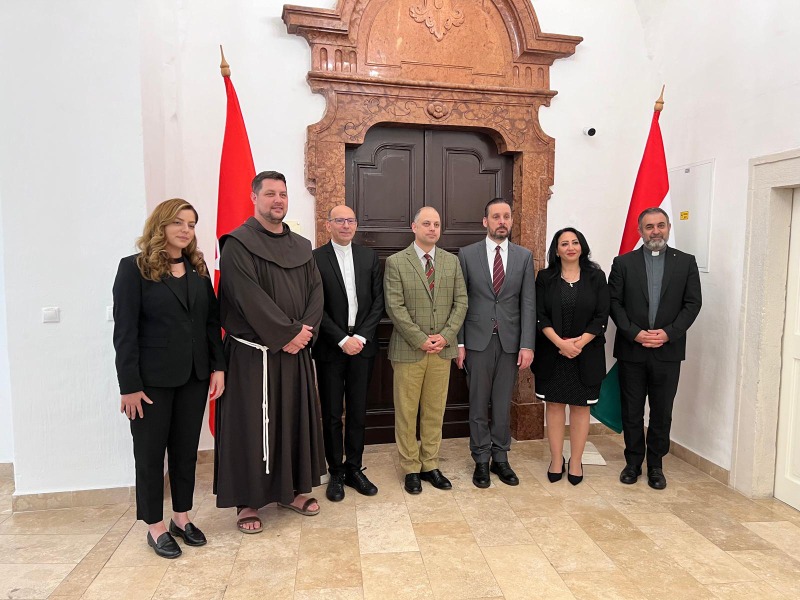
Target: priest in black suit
346 348
655 298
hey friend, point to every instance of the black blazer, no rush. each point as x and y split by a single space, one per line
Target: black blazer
591 316
369 291
678 307
158 339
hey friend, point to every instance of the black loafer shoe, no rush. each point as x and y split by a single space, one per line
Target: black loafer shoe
480 477
656 479
413 484
504 471
190 534
166 546
436 479
630 474
335 489
359 482
554 477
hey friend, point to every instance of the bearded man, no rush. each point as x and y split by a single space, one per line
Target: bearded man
655 298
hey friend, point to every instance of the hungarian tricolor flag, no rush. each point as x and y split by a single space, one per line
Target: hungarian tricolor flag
236 172
651 189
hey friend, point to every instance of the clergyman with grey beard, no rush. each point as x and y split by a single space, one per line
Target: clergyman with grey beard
655 298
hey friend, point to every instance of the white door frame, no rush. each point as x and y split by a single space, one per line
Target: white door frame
769 215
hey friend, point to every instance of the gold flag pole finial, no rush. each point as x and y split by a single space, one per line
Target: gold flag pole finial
224 67
659 103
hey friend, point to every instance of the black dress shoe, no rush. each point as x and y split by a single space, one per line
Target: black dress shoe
436 479
630 474
190 534
575 479
359 482
504 471
480 477
335 490
553 477
413 484
656 479
166 547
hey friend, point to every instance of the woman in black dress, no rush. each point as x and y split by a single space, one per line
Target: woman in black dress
169 361
572 305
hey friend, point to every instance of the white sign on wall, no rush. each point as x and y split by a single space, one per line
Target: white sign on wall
691 189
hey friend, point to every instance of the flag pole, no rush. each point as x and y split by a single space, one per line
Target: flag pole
658 107
225 68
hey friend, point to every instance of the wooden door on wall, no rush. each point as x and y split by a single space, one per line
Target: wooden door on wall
394 173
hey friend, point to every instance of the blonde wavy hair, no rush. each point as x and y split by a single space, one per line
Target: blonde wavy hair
153 259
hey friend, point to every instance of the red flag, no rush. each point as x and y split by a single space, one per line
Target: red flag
236 172
651 189
652 184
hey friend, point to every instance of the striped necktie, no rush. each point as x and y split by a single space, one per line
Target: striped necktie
499 274
429 271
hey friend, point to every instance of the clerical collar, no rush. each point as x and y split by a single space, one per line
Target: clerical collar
340 247
655 252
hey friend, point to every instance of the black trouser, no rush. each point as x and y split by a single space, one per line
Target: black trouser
658 381
171 423
341 381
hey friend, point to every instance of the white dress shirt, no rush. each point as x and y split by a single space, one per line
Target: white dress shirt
490 252
344 256
421 253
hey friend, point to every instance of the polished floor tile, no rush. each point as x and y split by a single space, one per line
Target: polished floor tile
698 540
31 581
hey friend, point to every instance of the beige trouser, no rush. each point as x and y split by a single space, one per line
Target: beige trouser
420 387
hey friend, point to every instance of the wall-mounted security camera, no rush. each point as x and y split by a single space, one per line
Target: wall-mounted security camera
590 131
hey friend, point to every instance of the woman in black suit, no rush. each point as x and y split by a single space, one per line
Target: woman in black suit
169 361
572 305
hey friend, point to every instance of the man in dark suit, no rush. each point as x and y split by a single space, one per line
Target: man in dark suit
655 298
497 338
346 349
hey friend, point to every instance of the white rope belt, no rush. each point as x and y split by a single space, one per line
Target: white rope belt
264 400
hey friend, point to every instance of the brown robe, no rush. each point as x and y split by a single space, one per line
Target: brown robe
269 287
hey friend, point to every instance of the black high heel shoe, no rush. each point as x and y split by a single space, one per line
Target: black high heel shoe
553 477
575 479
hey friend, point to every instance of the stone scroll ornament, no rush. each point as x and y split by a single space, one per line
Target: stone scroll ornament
439 16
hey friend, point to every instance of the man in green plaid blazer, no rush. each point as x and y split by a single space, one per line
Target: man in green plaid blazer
426 299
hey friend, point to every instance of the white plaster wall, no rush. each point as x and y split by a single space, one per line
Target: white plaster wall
117 106
733 82
72 193
184 103
6 429
732 88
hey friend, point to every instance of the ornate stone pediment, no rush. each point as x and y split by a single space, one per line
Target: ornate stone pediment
465 64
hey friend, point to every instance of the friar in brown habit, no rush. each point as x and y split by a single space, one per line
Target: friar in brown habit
268 444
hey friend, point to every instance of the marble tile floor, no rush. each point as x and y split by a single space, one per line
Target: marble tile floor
601 539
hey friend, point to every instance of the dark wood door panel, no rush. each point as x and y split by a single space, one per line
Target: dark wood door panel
394 173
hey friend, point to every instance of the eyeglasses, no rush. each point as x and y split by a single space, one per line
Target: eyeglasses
339 221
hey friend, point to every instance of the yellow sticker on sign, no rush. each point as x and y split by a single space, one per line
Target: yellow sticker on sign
684 215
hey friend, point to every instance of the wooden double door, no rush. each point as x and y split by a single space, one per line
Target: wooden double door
394 173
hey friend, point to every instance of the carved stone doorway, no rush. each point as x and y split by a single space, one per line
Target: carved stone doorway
482 64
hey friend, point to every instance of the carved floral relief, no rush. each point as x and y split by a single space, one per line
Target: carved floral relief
439 16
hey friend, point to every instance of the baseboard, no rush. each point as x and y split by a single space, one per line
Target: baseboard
698 462
688 456
53 500
79 498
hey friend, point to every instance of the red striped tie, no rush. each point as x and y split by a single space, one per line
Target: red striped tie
499 274
429 271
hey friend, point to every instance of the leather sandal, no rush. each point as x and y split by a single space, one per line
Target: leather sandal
305 511
240 523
